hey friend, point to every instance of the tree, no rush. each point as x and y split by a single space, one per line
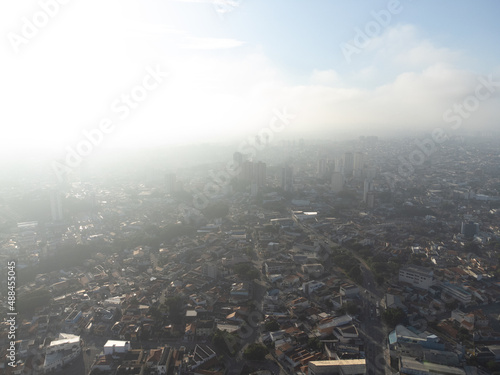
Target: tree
379 279
246 271
463 335
155 312
272 326
32 300
255 352
225 342
350 308
315 344
355 274
144 335
493 366
393 317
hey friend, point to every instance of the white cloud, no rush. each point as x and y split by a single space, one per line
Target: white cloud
68 76
221 6
402 45
210 43
324 77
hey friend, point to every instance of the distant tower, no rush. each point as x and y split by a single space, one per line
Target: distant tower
470 229
56 210
322 168
359 162
337 182
247 171
170 183
367 189
371 173
370 199
348 164
259 173
287 178
338 165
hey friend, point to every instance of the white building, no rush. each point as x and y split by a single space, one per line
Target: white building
202 354
419 277
348 290
116 346
61 351
460 294
343 366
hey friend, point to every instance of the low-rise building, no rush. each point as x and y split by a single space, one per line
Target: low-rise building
419 277
341 367
61 351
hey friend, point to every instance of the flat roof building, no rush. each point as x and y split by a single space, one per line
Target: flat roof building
419 277
342 367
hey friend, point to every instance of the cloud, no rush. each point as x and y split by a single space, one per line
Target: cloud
72 78
324 77
221 6
210 43
402 45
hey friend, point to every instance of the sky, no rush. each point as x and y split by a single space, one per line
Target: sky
160 72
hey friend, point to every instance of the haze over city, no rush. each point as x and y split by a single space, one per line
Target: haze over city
342 68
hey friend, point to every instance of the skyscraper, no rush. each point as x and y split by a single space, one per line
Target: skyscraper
322 168
359 162
337 182
348 164
287 178
56 209
259 173
367 188
469 229
170 183
247 171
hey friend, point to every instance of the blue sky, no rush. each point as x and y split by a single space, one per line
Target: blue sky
231 63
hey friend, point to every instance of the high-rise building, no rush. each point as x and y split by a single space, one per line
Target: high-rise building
259 173
367 188
287 178
359 163
337 182
170 183
56 209
470 229
370 199
370 173
322 168
247 171
348 164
